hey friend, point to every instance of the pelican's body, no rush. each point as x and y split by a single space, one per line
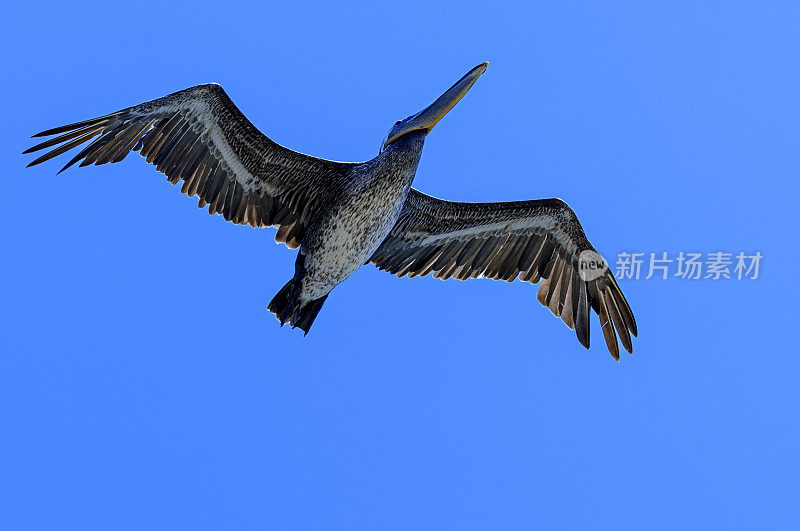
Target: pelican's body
359 219
343 215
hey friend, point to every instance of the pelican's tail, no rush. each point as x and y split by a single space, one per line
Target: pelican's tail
287 306
288 309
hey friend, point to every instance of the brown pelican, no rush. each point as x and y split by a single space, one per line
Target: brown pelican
343 215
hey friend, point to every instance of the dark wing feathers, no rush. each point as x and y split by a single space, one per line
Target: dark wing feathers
535 241
200 137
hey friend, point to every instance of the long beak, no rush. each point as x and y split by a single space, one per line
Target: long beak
430 116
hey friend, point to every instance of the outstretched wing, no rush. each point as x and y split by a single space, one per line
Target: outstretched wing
530 240
200 137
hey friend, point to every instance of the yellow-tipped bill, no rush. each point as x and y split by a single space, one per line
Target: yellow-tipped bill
430 116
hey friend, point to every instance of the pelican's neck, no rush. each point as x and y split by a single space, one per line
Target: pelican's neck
404 152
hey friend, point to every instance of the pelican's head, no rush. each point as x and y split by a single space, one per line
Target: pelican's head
430 116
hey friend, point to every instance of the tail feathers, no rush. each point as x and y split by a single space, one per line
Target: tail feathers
288 309
308 313
284 302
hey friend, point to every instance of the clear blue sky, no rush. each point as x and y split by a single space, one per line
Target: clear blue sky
142 382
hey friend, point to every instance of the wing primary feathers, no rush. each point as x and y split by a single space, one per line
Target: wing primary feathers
607 326
96 148
165 152
122 144
199 136
211 171
548 269
150 152
554 277
529 253
81 154
544 257
582 321
134 139
99 145
62 138
219 199
575 287
566 277
230 209
555 286
624 308
66 147
537 241
192 183
541 293
77 125
616 319
568 313
250 214
216 185
592 288
191 172
187 167
180 149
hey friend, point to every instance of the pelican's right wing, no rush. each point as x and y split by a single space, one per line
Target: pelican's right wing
200 137
530 240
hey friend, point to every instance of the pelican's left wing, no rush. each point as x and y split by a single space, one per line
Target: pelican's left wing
200 137
530 240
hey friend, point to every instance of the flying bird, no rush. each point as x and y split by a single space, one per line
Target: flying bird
343 215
